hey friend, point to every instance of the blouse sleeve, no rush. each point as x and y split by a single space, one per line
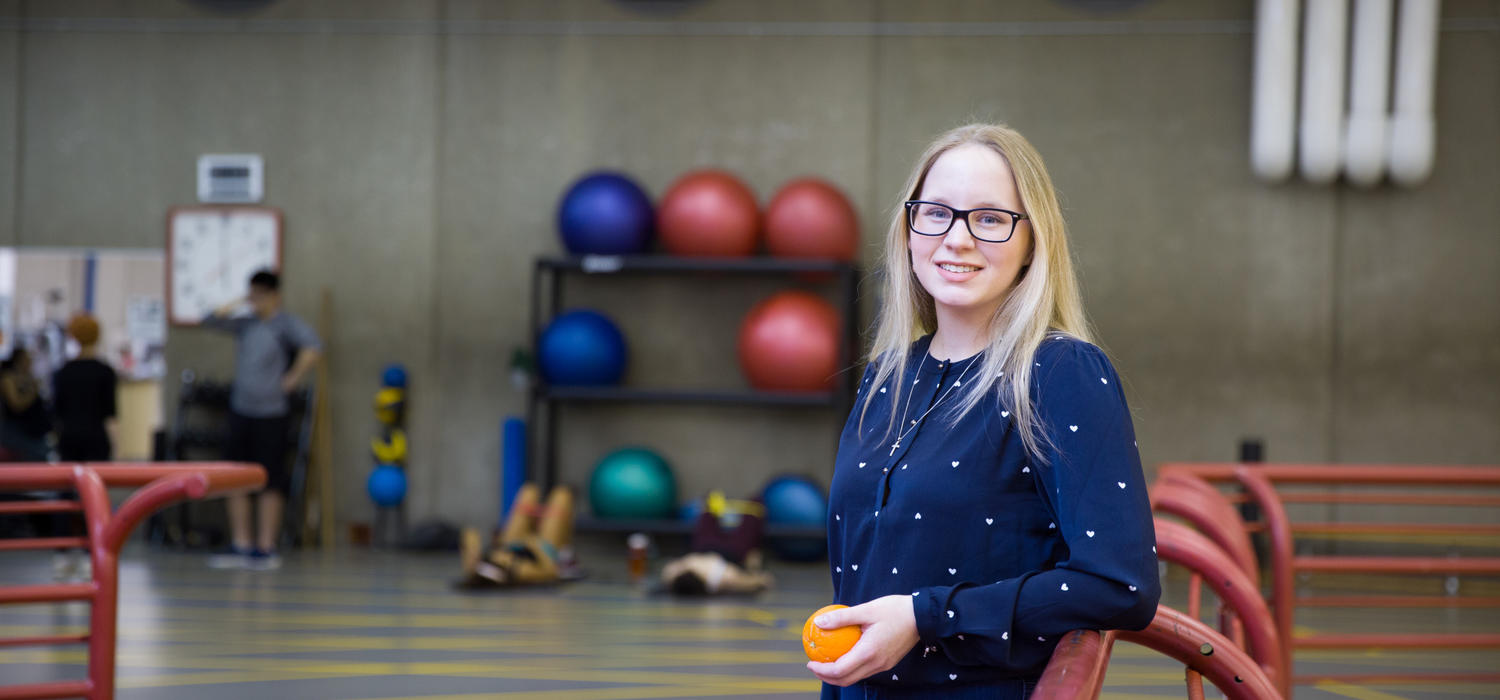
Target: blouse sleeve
1091 479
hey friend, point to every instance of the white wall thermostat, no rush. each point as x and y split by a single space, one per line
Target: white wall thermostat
231 178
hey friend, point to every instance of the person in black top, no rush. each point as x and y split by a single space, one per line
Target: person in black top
83 398
26 425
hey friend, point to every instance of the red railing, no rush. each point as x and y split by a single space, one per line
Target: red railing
159 485
1077 667
1260 482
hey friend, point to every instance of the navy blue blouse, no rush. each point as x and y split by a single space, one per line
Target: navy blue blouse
1003 553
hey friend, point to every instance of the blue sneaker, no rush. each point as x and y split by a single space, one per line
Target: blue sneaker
262 560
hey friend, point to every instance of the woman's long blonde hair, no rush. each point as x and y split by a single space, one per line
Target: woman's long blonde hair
1045 298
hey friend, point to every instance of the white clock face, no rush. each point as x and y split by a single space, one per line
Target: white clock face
214 252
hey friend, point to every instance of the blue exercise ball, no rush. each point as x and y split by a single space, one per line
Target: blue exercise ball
633 483
605 213
581 348
800 502
387 485
394 376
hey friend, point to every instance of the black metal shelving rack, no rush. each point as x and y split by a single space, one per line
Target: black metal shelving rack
547 279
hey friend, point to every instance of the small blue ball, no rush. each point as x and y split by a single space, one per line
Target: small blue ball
394 376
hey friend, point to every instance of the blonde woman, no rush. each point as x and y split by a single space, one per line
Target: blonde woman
987 496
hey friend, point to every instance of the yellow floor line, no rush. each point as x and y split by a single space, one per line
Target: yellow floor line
1358 692
641 693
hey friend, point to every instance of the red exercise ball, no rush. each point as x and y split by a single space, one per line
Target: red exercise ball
810 218
790 342
710 213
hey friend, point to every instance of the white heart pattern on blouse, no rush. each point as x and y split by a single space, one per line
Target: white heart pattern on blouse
919 516
1120 484
862 465
1102 379
950 614
952 571
1005 414
1026 470
893 569
1065 586
989 521
1132 588
854 567
1090 533
1005 635
953 676
955 463
1073 428
838 569
882 390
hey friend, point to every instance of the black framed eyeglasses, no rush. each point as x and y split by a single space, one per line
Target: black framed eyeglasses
988 225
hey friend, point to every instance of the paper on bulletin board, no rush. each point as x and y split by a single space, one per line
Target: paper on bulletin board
146 319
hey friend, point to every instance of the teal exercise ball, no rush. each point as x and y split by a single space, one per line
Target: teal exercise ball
633 483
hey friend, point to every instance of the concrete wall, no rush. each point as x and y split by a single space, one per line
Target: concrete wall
418 149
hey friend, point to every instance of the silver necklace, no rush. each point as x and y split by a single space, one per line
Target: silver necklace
918 421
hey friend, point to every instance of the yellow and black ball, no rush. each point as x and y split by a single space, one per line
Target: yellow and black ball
390 446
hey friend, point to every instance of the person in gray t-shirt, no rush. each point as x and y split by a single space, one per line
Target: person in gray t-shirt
275 352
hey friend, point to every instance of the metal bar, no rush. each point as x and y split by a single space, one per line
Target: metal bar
43 543
1400 678
1400 641
1182 545
39 476
1400 528
1398 601
48 593
1383 498
1227 666
43 641
1279 535
15 507
46 691
617 264
815 399
1076 666
549 441
1347 474
1198 502
103 619
1397 565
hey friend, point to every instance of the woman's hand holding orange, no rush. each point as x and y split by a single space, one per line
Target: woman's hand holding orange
888 630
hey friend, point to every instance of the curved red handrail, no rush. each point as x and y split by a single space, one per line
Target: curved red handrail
1202 649
1198 502
1186 547
1076 669
1279 531
160 485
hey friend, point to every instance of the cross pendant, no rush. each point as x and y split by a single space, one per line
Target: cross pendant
894 445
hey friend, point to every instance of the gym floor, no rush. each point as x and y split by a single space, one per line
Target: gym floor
362 624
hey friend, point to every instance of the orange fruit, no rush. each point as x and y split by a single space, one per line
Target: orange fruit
827 645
